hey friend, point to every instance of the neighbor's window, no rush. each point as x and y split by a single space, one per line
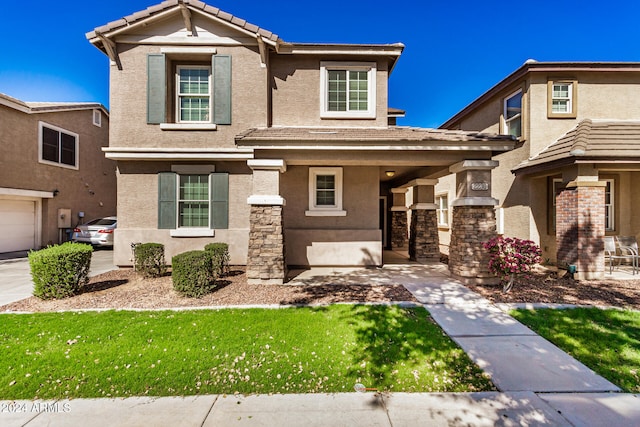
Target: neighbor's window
348 89
193 201
97 118
562 99
325 192
442 210
609 211
58 146
193 94
512 114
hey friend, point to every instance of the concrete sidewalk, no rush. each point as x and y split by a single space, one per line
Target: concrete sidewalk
15 277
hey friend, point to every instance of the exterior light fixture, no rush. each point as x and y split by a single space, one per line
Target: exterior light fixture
390 173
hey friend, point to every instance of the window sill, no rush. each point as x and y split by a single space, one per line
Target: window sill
348 115
192 232
326 213
188 126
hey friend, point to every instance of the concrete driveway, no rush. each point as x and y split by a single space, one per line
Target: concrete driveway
15 278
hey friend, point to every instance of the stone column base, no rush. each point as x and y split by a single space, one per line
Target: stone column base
266 256
424 244
470 228
399 229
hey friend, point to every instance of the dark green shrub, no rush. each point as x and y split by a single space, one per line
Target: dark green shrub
220 257
60 271
192 273
149 259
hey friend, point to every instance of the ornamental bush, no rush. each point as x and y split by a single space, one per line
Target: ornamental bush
220 257
149 259
510 257
192 273
60 271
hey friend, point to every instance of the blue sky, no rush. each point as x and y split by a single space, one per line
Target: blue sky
455 50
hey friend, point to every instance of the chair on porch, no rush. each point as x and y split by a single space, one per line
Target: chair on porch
612 251
628 246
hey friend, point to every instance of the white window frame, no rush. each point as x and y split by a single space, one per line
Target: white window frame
568 99
97 117
324 210
181 231
610 210
442 212
507 121
178 96
41 126
369 67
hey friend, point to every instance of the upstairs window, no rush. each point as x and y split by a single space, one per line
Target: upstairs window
58 146
561 99
193 94
512 114
348 90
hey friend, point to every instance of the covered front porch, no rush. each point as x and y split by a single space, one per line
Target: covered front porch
338 197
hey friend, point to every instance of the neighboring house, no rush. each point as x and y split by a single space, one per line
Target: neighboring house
570 181
222 131
53 173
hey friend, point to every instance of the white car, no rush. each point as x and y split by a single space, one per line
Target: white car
98 232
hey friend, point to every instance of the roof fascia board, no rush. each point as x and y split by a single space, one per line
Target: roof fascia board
132 26
16 105
387 147
25 108
342 49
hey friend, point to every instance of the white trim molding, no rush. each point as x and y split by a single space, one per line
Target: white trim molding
192 232
266 200
267 164
475 201
424 206
475 165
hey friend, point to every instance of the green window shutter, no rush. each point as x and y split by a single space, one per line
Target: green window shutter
167 200
156 88
219 200
221 69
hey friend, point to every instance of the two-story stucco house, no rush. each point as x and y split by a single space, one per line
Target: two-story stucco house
570 180
53 173
222 131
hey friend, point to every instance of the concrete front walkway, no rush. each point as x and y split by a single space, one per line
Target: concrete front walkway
539 385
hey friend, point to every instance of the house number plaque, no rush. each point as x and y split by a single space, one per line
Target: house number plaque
479 186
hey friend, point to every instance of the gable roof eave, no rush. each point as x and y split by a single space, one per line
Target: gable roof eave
169 7
47 107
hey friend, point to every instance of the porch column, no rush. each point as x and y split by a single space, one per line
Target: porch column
474 221
266 260
399 226
580 223
423 235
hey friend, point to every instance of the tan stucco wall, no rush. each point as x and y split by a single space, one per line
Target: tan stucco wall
90 189
296 92
129 102
354 239
138 211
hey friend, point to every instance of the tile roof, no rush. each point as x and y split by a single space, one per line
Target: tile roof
169 4
369 136
590 140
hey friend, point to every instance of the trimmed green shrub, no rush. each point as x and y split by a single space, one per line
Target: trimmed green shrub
60 271
220 257
192 273
149 259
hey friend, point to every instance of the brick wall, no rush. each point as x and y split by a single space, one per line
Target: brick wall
265 262
580 230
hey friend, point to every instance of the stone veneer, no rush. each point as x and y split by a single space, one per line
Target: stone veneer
398 229
470 228
580 229
266 261
424 244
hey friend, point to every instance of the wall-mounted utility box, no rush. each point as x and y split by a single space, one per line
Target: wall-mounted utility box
64 218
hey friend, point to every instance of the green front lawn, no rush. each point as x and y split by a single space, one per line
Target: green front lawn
607 341
296 350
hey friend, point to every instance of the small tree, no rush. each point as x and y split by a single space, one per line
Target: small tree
510 257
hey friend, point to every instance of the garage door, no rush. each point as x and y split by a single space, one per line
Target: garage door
17 225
